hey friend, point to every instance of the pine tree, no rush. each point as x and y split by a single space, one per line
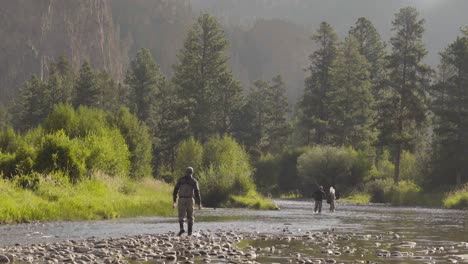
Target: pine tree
278 128
61 80
314 110
109 96
32 104
404 97
172 127
209 93
145 82
262 124
450 107
145 86
371 47
86 88
351 108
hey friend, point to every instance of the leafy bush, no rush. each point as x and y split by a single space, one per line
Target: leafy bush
189 154
59 152
62 118
28 181
385 191
139 143
8 164
223 168
326 165
267 173
251 200
20 162
108 153
405 193
457 199
226 159
8 140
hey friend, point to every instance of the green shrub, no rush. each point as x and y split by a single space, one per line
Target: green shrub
20 162
189 154
59 152
28 181
62 118
326 165
8 164
267 173
227 171
457 199
108 153
8 140
405 193
385 191
377 189
252 200
384 167
139 143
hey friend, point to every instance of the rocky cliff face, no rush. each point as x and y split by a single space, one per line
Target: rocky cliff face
35 32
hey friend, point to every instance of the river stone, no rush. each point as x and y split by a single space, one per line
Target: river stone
4 259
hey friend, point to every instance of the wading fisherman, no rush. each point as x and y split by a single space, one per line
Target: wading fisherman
318 197
187 188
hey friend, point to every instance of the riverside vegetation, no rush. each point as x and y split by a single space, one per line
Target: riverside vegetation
361 125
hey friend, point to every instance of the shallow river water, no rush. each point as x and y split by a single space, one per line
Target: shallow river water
428 228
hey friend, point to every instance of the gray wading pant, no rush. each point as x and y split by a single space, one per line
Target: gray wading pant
318 206
185 207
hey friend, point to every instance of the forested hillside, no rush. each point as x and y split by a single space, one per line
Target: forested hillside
266 106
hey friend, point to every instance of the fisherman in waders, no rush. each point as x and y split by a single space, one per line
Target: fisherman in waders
318 197
187 188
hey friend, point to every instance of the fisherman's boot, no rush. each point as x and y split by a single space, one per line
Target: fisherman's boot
181 223
190 225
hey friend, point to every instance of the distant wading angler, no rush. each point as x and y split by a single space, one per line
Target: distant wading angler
318 197
187 188
331 199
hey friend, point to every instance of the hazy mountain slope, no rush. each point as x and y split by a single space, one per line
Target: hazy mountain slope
443 17
34 32
158 25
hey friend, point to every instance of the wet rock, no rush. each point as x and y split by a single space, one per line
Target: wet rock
4 259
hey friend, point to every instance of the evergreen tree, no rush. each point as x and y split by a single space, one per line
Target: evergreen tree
208 91
145 82
61 80
4 118
32 104
371 47
404 99
86 87
278 128
450 107
145 87
262 124
314 110
351 105
109 93
172 127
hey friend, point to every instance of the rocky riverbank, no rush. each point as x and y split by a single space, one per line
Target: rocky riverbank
232 247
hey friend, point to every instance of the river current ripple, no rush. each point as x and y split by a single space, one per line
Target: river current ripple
435 226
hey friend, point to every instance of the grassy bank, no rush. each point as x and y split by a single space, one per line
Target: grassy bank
252 200
98 198
101 197
457 199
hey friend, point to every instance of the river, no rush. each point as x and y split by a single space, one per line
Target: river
427 227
